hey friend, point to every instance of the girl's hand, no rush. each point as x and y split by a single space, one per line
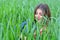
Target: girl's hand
41 31
44 28
35 35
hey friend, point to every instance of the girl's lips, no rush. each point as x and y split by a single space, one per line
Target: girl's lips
38 18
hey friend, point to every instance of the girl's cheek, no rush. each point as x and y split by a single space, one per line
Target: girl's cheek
36 16
39 17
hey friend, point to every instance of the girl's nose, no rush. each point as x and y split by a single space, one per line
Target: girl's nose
38 16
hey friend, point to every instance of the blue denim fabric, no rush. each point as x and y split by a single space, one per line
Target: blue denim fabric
26 30
25 24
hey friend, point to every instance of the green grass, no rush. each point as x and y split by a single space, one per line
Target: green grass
14 12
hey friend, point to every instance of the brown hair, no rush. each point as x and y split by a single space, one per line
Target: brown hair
45 8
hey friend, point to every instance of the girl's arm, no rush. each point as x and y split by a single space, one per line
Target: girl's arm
22 25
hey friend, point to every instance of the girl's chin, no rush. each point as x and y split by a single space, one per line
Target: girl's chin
38 20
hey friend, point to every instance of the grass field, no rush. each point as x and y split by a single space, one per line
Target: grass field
14 12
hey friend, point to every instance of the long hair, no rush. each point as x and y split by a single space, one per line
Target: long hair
43 7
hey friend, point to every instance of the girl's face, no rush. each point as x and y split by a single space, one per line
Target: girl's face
38 14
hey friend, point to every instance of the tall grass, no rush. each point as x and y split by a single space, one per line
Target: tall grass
14 12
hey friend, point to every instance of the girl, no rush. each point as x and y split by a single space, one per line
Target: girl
41 11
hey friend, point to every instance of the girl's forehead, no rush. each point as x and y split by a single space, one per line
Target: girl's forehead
40 10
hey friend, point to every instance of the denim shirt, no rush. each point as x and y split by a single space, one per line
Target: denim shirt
25 24
34 27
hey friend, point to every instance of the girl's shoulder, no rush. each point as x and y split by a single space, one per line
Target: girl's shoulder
23 23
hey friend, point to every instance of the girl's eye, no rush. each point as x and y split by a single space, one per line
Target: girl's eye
40 14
